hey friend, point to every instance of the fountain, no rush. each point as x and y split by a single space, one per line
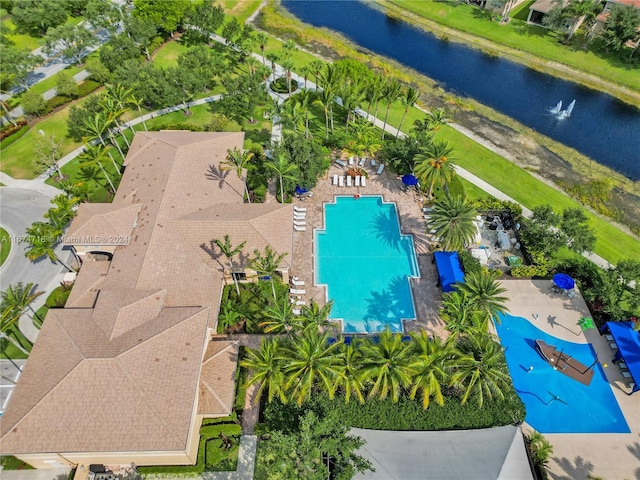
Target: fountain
556 110
567 113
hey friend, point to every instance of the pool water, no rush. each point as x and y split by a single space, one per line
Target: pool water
365 263
555 403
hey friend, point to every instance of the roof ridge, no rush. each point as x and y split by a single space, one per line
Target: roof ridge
230 344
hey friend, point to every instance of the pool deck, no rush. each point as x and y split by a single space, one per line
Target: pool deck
426 295
610 456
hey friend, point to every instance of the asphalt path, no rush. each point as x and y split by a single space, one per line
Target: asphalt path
19 208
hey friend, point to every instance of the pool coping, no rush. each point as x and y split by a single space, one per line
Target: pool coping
414 256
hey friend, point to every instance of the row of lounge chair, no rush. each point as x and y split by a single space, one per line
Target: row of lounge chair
361 163
296 290
299 219
357 181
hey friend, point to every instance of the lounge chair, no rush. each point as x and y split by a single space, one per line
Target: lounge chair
427 209
296 311
351 160
609 338
298 302
571 293
297 291
300 209
373 162
362 161
299 223
626 374
349 180
341 163
623 366
335 180
341 181
297 283
363 181
299 215
299 229
357 181
380 168
613 346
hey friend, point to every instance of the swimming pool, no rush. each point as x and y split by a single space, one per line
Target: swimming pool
365 263
555 403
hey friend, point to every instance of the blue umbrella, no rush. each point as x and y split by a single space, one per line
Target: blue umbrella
300 190
563 281
409 180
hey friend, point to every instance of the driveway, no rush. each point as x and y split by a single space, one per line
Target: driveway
19 208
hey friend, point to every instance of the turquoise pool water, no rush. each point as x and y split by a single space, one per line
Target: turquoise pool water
555 403
365 263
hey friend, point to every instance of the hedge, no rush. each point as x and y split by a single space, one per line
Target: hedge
406 414
14 135
87 87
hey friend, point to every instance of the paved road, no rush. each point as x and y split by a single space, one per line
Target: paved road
19 208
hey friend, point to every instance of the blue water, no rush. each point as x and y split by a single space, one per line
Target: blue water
600 126
365 263
580 408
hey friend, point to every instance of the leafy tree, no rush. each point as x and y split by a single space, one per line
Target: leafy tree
311 361
266 369
453 221
35 17
47 154
166 15
203 20
243 93
66 85
18 298
103 14
285 170
15 65
622 25
462 316
318 449
390 94
616 291
387 365
70 40
141 31
197 68
267 264
433 165
579 236
484 293
229 251
432 121
481 369
400 154
280 317
33 103
311 159
117 51
232 31
78 114
316 317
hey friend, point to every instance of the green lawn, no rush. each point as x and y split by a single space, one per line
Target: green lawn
44 85
5 245
21 41
517 34
167 55
240 9
9 350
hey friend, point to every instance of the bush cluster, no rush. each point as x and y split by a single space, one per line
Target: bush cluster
10 135
530 271
279 85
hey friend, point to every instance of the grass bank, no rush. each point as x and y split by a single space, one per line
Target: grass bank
534 46
5 245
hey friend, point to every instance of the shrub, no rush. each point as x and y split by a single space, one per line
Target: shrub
530 271
155 43
88 86
491 203
55 102
280 85
66 85
33 103
13 133
469 263
58 297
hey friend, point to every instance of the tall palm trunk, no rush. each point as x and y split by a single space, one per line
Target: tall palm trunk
326 122
14 342
113 189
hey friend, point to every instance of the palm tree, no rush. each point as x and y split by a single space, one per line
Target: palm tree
351 380
19 299
373 94
481 370
410 98
238 160
280 317
95 127
273 58
540 449
267 264
311 359
316 317
461 316
8 319
453 222
484 292
288 65
229 251
578 12
433 165
326 97
253 64
96 155
284 169
305 100
316 68
42 239
436 118
113 114
351 95
305 71
266 367
120 96
262 39
391 94
387 365
431 365
138 102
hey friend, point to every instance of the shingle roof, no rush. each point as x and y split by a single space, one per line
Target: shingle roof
119 369
102 224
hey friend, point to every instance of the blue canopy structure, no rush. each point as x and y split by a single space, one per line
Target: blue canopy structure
409 180
300 190
564 281
449 270
628 343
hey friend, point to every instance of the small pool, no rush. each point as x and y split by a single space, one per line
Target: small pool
555 403
365 263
